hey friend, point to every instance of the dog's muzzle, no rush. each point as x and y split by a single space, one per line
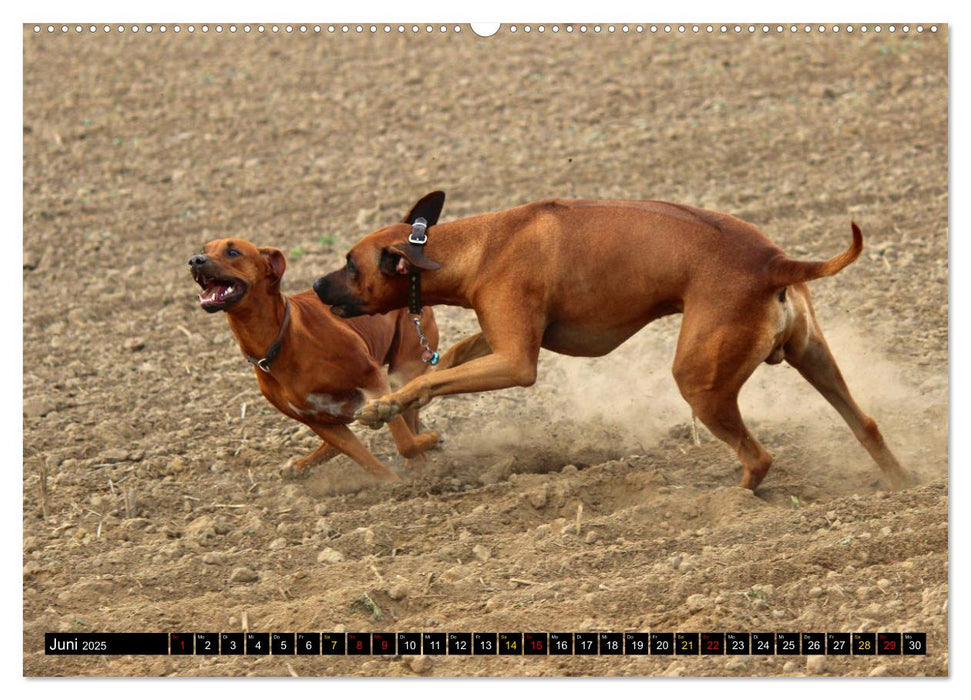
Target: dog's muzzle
332 291
218 292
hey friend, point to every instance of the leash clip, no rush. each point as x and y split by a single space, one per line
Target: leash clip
263 364
418 235
428 356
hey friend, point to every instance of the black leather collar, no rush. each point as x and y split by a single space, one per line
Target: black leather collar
274 349
417 239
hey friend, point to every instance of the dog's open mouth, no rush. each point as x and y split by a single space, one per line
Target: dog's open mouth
219 294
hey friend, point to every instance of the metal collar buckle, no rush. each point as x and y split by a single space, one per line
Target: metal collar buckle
274 349
418 235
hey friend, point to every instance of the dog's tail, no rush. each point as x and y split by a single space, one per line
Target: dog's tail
784 271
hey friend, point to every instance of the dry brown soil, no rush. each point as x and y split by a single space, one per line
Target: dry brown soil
578 504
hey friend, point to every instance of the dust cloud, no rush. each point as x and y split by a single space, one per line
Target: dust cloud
628 402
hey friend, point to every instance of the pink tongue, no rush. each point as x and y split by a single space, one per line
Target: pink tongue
214 293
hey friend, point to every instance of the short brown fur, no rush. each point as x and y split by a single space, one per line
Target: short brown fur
327 367
580 277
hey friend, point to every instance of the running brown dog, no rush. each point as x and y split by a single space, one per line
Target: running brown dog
580 277
312 366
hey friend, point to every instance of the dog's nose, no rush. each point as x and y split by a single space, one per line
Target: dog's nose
197 260
320 287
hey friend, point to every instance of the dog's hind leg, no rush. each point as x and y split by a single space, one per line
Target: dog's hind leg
714 359
808 352
299 468
410 445
398 377
342 439
463 351
718 410
406 428
404 365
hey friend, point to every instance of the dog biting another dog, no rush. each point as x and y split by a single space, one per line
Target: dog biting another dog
580 277
311 365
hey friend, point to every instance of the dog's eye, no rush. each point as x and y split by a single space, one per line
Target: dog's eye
351 269
233 253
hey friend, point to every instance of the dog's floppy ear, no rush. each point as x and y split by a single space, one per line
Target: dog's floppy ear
404 259
428 207
277 262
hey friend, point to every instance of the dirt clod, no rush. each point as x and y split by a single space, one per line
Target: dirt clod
696 602
482 553
329 556
243 574
399 591
420 664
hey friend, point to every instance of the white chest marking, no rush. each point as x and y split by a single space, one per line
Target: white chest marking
322 404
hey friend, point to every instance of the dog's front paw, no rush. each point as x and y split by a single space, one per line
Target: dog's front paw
376 413
295 470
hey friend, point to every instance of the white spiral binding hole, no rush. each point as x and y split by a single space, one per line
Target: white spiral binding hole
487 30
